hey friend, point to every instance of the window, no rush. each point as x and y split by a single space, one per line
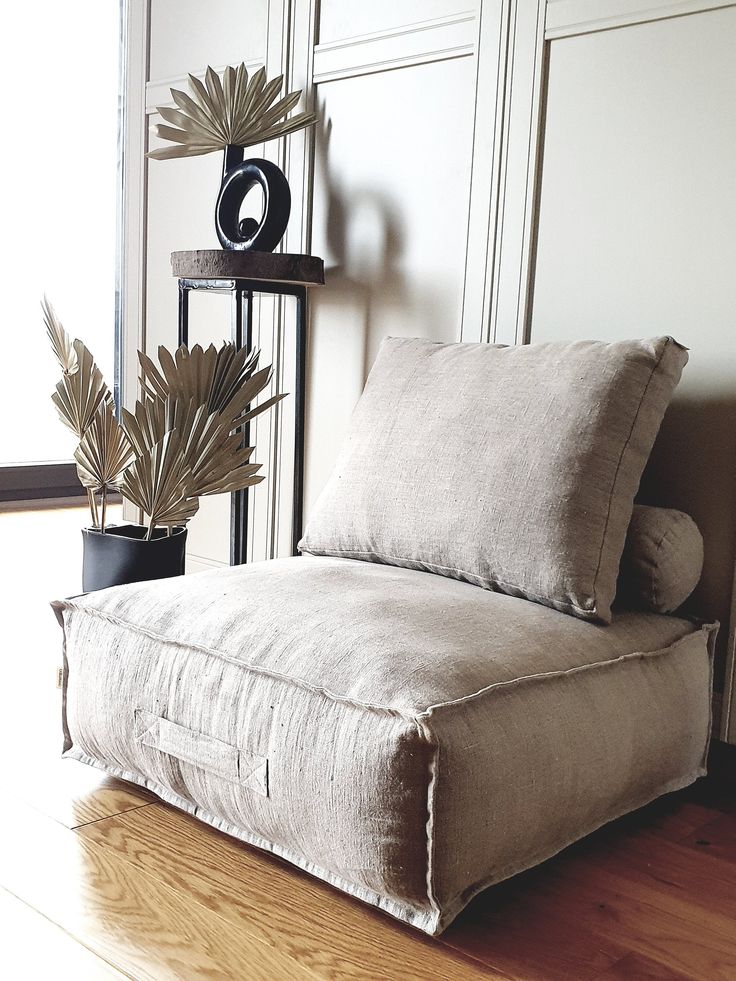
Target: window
59 63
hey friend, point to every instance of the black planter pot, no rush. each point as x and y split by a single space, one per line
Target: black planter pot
123 555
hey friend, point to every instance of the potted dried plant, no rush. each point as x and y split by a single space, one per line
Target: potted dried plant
183 441
231 114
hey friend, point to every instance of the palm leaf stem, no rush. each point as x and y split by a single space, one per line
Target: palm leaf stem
92 506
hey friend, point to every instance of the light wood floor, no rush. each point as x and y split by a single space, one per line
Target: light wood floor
99 880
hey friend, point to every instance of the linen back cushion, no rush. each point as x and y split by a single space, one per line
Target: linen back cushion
513 468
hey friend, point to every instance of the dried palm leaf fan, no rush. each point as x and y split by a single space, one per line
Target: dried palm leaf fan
230 115
182 441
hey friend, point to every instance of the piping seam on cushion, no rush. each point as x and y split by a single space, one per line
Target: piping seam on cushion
618 469
433 774
706 628
460 902
417 565
398 908
243 665
414 717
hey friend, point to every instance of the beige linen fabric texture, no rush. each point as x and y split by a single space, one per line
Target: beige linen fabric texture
406 737
662 561
513 468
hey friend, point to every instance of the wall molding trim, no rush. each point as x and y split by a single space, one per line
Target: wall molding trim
157 90
198 563
413 44
133 204
511 263
489 123
567 18
302 22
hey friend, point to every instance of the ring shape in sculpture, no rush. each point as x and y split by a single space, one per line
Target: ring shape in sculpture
248 234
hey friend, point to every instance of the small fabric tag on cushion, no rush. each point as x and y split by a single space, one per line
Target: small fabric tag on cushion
203 751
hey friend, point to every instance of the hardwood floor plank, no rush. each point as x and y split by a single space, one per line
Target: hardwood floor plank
129 918
652 891
546 925
634 967
642 918
71 793
529 938
65 790
716 839
718 791
696 876
34 948
672 817
335 936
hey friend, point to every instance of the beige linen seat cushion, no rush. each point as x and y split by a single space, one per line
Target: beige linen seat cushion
513 468
407 737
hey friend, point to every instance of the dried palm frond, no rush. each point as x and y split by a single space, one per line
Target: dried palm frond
213 453
147 425
233 366
224 463
244 475
60 340
102 455
235 410
184 438
159 483
231 112
80 393
225 379
104 451
153 418
85 405
196 373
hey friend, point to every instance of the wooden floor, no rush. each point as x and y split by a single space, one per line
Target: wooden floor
99 880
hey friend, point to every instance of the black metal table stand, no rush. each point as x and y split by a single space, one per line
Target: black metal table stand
241 324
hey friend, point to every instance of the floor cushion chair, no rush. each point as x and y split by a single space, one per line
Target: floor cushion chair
443 693
407 737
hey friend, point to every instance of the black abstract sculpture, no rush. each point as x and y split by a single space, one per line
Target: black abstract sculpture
238 178
231 114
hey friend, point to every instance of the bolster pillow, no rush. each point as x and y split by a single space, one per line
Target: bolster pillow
662 561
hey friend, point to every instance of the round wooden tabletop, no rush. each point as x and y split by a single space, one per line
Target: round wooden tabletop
272 267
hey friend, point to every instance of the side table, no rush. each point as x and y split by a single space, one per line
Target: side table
242 274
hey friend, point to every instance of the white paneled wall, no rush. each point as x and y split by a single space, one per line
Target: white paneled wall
187 35
343 20
636 236
636 218
381 190
390 219
487 171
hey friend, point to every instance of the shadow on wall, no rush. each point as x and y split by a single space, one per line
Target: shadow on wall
376 283
365 230
365 241
692 468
